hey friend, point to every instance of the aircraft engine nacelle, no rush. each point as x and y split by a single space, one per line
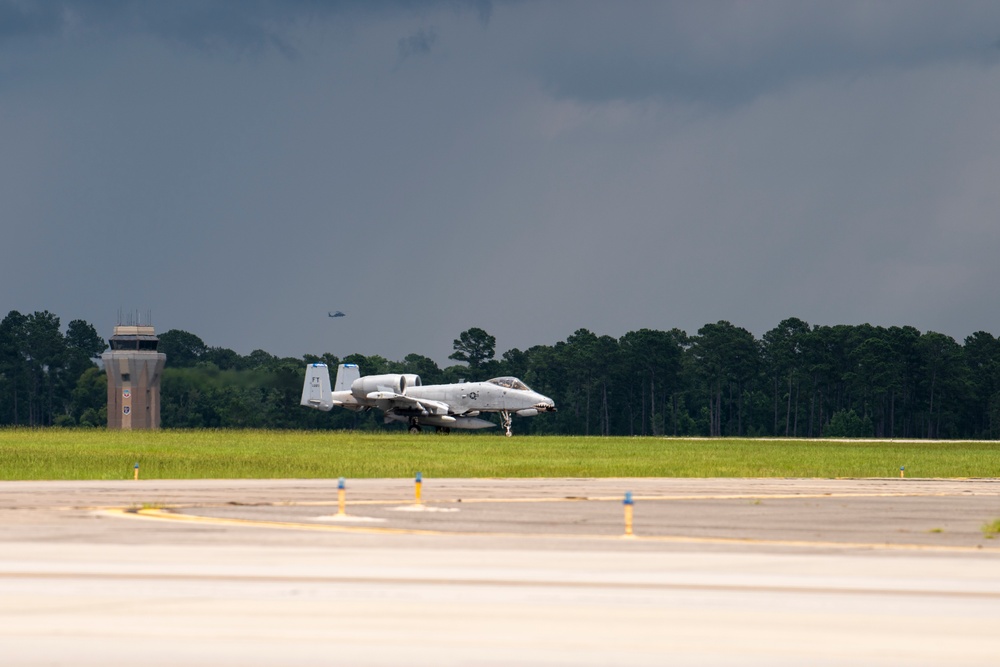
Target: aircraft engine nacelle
363 386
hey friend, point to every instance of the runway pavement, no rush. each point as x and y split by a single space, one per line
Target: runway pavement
499 572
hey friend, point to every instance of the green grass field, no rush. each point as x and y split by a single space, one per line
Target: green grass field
234 454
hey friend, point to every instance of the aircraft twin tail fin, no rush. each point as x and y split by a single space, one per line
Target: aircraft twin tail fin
316 388
346 375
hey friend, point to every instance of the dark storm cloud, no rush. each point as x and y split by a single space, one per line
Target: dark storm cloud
533 168
725 53
246 25
19 19
243 25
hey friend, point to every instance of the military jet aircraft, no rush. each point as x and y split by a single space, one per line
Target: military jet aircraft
404 399
335 314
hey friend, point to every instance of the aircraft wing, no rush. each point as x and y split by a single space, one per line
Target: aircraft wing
410 403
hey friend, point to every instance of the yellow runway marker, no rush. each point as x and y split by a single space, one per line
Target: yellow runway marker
340 498
628 514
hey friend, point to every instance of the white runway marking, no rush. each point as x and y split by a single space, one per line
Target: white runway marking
422 508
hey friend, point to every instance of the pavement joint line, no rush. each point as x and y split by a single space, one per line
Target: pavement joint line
163 515
734 496
450 581
618 498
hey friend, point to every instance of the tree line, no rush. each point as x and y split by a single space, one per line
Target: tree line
797 380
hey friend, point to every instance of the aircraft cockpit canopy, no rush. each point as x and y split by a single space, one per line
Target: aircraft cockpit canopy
509 382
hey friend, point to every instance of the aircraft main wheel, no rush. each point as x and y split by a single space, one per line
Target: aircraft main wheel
414 429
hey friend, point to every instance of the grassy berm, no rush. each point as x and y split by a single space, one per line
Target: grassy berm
242 454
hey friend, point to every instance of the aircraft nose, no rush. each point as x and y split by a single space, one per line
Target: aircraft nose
545 404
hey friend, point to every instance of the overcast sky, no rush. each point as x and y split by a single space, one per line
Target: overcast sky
239 169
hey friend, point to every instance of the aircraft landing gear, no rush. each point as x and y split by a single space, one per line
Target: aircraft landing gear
506 420
442 429
414 426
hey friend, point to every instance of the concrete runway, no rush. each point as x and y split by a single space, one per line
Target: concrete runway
499 572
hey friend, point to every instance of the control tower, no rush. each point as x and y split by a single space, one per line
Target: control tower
134 367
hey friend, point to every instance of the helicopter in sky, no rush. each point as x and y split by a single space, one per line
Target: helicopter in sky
336 313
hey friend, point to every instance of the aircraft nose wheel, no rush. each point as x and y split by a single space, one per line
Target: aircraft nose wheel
506 419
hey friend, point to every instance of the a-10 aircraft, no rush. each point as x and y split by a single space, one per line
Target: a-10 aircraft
404 399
